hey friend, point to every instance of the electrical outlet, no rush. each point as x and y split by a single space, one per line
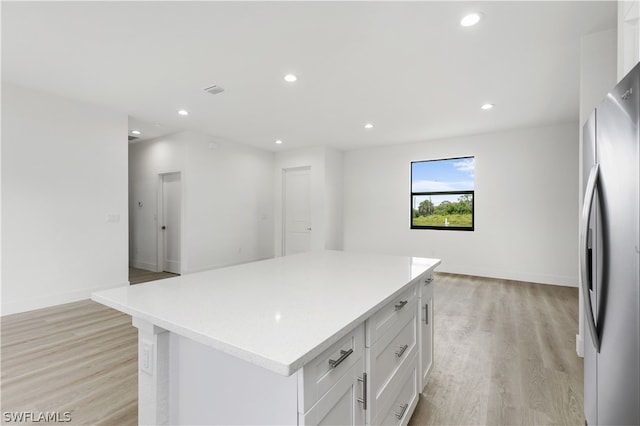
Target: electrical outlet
146 357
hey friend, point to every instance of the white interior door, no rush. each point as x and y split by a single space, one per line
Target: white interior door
297 211
170 222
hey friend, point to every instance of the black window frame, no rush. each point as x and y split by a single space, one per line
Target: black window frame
427 193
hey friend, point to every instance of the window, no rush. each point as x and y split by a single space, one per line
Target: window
442 194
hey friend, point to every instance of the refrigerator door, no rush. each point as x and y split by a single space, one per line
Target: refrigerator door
588 247
618 316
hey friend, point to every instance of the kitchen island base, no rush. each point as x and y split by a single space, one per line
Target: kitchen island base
318 338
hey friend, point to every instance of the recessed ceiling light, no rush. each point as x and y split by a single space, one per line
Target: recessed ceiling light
368 126
470 19
183 112
486 106
135 132
290 78
278 141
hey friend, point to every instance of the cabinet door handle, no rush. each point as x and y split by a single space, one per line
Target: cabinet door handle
343 356
401 304
363 400
428 280
400 351
403 408
426 314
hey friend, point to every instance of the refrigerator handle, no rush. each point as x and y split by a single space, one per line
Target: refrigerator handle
592 184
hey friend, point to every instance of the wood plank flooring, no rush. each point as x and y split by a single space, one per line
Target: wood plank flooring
79 358
504 355
137 276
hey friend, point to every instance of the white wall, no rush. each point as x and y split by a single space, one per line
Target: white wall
334 196
597 70
64 170
525 204
628 36
326 194
227 194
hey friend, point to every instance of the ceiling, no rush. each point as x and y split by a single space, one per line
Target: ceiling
408 68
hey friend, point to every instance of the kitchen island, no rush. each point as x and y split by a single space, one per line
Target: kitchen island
322 337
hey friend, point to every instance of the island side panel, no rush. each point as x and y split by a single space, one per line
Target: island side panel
211 387
153 373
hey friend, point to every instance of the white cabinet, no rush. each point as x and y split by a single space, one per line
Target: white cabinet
398 410
372 375
331 386
391 354
375 373
387 317
382 365
425 336
341 405
321 374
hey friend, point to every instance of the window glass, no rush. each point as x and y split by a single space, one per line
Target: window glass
442 194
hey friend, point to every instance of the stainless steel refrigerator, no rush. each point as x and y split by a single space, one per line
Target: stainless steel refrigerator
610 257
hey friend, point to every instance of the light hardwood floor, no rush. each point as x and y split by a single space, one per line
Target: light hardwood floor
137 276
79 358
504 354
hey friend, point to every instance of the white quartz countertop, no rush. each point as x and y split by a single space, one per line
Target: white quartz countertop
278 313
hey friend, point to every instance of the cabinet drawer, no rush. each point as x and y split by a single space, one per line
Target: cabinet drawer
390 353
402 401
324 371
397 310
340 406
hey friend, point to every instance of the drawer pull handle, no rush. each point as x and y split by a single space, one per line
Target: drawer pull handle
363 400
401 304
401 350
343 356
403 409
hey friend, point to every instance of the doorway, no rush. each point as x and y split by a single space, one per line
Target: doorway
169 223
296 211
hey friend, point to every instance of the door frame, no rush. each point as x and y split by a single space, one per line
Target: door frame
160 219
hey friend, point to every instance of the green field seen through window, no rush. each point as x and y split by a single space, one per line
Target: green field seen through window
457 220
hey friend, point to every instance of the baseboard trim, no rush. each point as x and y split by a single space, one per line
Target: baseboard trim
565 281
24 305
142 265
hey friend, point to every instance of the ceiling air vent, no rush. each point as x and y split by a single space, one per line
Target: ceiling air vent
214 90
